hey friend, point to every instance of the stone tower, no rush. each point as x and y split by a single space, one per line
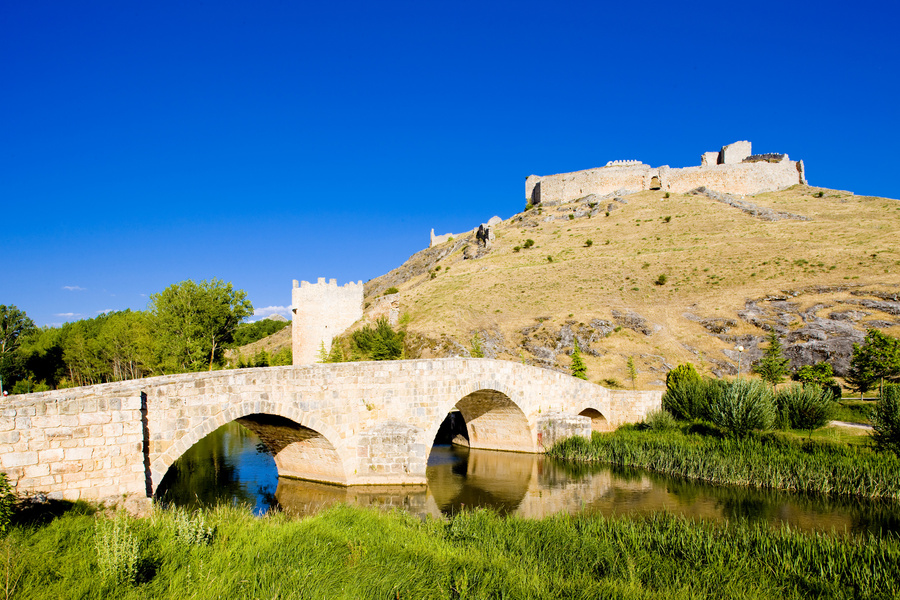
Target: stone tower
321 311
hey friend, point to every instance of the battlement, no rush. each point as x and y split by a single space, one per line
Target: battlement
320 311
733 170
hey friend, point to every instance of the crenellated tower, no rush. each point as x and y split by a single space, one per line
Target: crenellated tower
321 311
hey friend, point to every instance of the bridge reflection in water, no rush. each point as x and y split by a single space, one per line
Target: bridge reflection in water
230 465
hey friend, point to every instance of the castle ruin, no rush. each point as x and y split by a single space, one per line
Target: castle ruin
733 170
321 311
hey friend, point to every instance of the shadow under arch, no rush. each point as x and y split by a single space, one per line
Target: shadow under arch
493 421
598 421
301 450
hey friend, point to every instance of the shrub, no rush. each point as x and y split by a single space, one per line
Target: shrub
660 420
886 420
661 280
516 248
7 502
611 382
117 550
377 343
804 407
683 371
549 258
689 398
745 405
528 243
191 528
391 290
588 243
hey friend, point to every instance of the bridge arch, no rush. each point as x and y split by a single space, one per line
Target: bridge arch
598 420
494 419
302 445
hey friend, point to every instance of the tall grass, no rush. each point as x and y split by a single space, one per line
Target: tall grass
348 552
762 461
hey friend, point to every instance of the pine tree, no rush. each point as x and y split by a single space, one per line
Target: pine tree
773 366
579 369
873 362
632 371
323 354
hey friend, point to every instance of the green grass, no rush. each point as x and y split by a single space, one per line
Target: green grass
768 461
853 411
348 552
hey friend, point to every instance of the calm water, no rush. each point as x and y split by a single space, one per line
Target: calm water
231 465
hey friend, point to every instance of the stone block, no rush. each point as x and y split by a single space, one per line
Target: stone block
78 453
18 459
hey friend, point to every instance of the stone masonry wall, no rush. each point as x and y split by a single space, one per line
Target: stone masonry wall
322 311
78 443
368 423
723 171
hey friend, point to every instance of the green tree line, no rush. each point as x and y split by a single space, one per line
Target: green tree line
186 327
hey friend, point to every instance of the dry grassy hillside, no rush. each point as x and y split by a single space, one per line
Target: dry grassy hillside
662 280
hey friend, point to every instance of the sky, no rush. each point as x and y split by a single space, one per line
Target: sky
144 144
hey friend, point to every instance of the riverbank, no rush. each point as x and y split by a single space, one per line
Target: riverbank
348 552
767 461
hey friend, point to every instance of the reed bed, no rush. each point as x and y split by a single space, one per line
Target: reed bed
348 552
763 461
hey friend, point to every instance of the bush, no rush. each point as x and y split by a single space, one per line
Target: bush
661 280
660 420
588 243
7 502
804 407
377 343
686 399
745 405
886 419
681 372
117 550
528 243
391 290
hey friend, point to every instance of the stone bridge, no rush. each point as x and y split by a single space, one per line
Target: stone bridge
367 423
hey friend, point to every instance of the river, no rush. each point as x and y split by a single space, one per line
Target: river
231 465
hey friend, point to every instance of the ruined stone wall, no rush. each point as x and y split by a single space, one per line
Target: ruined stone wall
322 311
744 179
731 170
565 187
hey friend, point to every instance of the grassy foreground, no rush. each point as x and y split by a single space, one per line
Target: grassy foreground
763 461
348 552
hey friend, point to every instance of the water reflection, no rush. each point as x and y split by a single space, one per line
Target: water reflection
228 466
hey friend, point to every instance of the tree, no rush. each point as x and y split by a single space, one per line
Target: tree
681 373
877 360
579 369
886 419
14 326
773 366
194 322
820 374
632 371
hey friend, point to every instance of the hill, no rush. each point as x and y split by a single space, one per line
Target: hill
664 280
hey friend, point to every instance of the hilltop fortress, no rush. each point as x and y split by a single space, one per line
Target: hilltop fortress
733 170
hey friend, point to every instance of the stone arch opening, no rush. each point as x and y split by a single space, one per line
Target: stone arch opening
654 183
598 421
494 422
298 451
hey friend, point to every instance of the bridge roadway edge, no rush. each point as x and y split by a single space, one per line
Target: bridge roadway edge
370 423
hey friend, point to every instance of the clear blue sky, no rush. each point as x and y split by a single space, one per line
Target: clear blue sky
146 143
